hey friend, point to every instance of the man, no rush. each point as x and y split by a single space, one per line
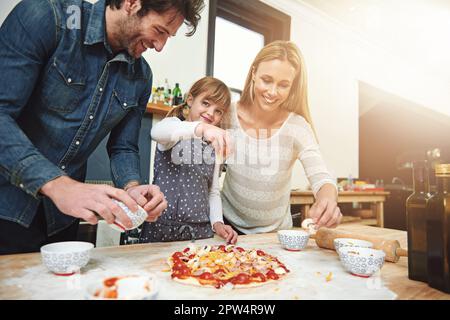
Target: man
72 72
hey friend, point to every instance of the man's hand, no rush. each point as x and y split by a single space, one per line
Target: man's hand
150 198
226 232
325 213
81 200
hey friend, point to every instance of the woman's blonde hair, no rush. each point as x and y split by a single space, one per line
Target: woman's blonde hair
216 91
297 100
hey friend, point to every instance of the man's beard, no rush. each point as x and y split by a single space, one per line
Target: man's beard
128 34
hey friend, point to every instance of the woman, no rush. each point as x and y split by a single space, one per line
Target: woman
272 128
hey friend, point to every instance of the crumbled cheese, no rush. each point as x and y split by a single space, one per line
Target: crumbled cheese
280 270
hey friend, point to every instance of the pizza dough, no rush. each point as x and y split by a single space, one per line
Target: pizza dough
225 267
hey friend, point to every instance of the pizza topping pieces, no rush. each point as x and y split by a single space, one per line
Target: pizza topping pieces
218 266
229 248
280 270
272 275
259 277
177 255
241 278
206 276
205 250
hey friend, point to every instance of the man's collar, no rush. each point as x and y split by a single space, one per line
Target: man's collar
96 28
96 31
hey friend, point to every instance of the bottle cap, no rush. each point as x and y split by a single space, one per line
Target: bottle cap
442 169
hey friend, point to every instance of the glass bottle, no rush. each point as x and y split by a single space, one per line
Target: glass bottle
438 231
416 219
177 95
161 95
154 95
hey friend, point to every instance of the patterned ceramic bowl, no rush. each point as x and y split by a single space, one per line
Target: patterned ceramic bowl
346 242
361 262
293 240
66 258
137 218
129 287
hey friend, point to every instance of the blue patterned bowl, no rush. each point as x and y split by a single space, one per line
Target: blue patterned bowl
137 218
66 258
293 240
347 242
361 262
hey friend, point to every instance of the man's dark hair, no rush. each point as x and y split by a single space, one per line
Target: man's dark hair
189 9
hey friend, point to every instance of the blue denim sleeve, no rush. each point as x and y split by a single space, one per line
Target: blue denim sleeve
123 148
27 38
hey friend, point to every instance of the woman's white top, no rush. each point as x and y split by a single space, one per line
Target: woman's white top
257 185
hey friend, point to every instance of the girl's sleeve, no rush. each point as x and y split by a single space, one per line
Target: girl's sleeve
170 130
311 158
215 202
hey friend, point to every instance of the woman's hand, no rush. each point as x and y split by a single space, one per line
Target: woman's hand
325 212
219 138
226 232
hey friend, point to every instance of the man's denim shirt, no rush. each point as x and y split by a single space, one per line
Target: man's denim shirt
62 90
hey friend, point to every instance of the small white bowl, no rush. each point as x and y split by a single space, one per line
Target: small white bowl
132 292
293 240
347 242
137 218
361 262
66 258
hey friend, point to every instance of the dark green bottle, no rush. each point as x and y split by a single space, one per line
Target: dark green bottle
438 231
177 95
416 217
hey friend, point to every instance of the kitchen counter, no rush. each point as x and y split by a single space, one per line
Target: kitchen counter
374 198
25 277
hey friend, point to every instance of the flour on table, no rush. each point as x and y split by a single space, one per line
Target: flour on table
307 279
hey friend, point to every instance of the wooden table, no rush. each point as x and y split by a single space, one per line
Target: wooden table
14 268
375 198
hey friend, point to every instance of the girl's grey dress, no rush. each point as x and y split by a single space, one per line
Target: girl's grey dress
184 174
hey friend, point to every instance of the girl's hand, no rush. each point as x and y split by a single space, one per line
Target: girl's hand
226 232
219 138
325 213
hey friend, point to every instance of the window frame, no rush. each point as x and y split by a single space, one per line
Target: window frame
251 14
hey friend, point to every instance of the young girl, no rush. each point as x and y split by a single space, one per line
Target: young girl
186 168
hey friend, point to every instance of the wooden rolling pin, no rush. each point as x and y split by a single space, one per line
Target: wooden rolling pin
324 238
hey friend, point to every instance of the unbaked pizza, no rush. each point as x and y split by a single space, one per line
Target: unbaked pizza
225 266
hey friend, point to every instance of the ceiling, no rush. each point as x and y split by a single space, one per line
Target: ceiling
417 31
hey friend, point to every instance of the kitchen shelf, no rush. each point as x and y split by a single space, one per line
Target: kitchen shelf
160 109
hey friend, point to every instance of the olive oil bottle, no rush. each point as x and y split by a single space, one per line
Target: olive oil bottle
438 231
416 216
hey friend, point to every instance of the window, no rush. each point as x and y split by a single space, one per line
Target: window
237 31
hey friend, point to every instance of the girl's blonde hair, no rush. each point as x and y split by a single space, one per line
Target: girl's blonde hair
216 91
297 100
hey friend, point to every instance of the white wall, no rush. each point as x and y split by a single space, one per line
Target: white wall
5 8
336 60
